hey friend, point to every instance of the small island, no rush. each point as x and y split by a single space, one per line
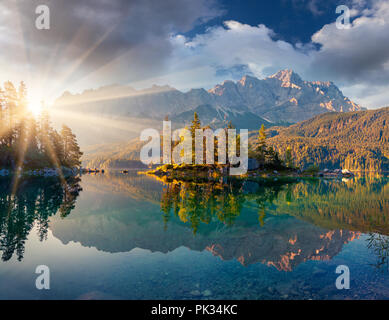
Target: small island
264 161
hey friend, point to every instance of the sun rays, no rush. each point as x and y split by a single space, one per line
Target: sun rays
35 106
29 144
48 78
26 138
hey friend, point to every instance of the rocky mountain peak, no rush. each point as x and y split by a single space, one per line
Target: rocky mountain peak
247 80
288 78
227 86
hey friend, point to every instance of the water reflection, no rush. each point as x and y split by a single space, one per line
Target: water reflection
379 245
281 223
278 222
33 203
356 204
287 241
196 203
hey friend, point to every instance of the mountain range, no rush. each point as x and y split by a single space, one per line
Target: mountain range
278 99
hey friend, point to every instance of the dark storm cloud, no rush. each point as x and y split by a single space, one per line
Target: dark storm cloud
98 31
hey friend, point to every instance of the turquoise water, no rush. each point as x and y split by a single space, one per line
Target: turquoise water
133 237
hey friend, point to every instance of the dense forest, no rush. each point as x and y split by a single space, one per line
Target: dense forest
31 142
353 140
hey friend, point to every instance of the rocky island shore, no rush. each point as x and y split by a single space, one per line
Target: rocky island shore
43 172
214 172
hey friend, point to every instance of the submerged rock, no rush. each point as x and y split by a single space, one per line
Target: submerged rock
195 293
207 293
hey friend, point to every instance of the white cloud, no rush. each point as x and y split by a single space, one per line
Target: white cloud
235 44
357 57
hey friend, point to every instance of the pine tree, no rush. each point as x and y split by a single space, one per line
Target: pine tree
196 124
272 158
3 128
21 135
288 157
32 153
261 149
11 104
44 132
27 141
57 144
71 150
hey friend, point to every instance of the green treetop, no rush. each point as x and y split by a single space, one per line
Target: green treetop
261 149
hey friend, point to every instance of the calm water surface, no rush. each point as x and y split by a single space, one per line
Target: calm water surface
133 237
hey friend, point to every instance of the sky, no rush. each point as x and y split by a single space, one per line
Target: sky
192 44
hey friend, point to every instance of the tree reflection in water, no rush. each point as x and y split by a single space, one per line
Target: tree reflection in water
200 202
32 204
379 245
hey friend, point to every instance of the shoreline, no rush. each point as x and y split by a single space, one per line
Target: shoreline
42 172
203 173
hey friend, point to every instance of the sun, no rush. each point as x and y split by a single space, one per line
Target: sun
35 106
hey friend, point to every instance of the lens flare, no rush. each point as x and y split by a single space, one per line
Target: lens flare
35 106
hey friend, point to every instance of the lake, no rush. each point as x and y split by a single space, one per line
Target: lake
115 236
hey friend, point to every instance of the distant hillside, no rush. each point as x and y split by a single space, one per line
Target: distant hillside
220 118
121 155
353 140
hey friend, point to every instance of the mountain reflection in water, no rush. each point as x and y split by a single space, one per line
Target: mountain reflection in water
277 222
137 237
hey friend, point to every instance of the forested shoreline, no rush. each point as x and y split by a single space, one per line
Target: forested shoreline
30 142
357 141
